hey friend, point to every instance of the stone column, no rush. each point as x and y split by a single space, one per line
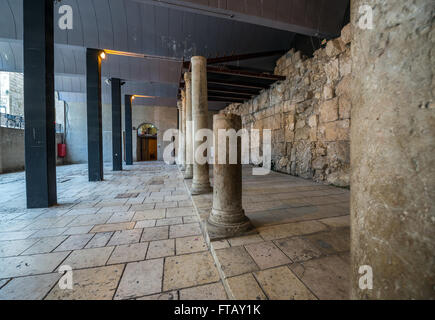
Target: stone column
227 217
181 135
392 151
188 174
201 179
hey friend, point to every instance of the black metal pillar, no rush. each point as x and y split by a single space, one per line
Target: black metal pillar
116 125
40 135
128 131
94 115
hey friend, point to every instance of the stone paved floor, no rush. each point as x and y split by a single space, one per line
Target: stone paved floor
137 235
301 249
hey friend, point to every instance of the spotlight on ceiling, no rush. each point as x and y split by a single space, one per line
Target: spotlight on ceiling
103 55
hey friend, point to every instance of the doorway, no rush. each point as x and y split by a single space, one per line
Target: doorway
147 142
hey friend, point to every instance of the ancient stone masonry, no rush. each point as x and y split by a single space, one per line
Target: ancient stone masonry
308 113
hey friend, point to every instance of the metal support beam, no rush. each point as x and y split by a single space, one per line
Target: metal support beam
116 125
39 112
128 131
94 115
248 74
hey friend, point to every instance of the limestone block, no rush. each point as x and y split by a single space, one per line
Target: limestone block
346 34
332 71
312 121
344 87
335 47
329 111
302 134
328 92
333 131
345 65
320 163
344 105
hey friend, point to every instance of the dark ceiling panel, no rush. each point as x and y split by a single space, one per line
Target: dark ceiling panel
104 22
8 28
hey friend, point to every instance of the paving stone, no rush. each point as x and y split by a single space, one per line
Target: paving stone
281 284
235 261
162 205
125 237
156 233
173 295
184 230
140 279
45 245
189 270
337 222
190 219
142 207
180 212
327 277
3 282
128 253
190 244
121 217
113 227
145 224
74 242
240 241
90 284
298 249
15 247
99 240
214 291
30 265
4 236
29 288
113 209
267 255
89 220
49 232
245 287
169 221
290 229
331 242
220 244
88 258
77 230
149 214
161 248
81 211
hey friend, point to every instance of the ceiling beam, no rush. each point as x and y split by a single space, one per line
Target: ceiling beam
228 95
239 57
225 99
231 91
225 82
247 74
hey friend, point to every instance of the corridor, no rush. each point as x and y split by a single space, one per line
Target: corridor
136 235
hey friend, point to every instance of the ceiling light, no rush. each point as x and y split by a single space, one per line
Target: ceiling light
102 55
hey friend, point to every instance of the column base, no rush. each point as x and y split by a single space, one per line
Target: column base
218 231
182 167
188 174
200 188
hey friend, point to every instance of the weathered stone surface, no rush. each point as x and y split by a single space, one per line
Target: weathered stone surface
392 156
329 111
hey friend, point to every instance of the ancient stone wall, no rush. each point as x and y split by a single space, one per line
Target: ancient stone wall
309 113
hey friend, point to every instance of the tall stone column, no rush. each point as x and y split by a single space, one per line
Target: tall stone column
188 174
392 151
227 217
181 145
201 179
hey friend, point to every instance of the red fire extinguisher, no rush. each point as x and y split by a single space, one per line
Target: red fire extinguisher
61 150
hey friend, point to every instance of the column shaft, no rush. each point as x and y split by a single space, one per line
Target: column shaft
201 179
392 152
128 131
94 115
116 125
188 174
227 217
39 111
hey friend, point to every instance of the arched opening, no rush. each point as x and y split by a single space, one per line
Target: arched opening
147 142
